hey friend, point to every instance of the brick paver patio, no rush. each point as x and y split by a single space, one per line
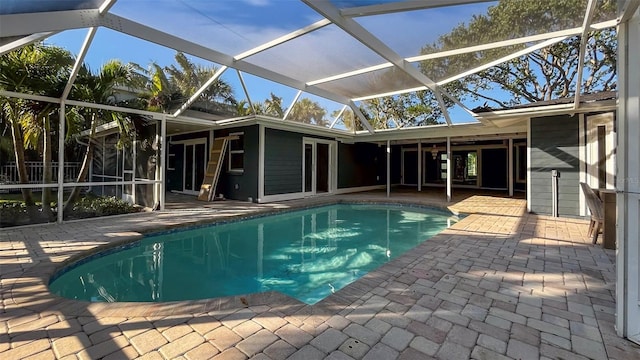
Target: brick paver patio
499 284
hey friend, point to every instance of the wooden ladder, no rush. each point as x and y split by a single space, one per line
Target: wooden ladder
214 166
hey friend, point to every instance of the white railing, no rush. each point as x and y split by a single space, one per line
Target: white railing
35 171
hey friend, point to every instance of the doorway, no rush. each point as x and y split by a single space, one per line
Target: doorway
601 151
194 165
317 166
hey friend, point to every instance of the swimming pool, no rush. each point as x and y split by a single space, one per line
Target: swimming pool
307 254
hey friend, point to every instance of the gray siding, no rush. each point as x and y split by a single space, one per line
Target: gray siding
282 162
245 185
555 145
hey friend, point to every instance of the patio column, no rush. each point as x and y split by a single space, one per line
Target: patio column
510 167
388 168
449 174
628 180
61 130
420 165
163 160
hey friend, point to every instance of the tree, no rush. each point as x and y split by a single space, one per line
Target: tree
270 107
167 88
545 74
189 77
100 88
308 112
40 70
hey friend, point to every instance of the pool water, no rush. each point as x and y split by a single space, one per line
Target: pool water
306 254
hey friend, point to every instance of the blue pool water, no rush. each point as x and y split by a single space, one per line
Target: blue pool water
306 254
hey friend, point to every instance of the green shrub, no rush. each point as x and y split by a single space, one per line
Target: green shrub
92 206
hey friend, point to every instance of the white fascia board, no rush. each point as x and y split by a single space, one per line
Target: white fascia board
400 6
31 23
441 131
275 123
548 110
144 32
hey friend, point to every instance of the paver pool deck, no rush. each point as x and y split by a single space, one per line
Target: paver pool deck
499 284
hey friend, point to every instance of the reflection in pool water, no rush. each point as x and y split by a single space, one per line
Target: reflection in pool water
306 254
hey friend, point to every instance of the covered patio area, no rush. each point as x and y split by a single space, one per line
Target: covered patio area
500 283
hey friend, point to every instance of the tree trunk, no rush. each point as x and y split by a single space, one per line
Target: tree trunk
23 176
46 168
84 170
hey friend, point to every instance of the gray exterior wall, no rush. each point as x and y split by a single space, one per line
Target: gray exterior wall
555 145
241 186
282 162
361 164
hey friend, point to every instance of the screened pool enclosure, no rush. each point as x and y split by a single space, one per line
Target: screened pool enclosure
360 71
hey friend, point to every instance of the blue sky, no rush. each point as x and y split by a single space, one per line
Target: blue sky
234 26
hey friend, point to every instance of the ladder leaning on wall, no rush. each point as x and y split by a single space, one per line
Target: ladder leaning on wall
214 167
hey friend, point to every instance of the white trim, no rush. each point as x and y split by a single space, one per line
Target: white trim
510 176
628 182
281 197
388 168
236 152
529 165
358 189
332 179
61 130
163 161
192 142
261 148
449 174
420 164
582 159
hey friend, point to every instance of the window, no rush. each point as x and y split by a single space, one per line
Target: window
472 165
236 153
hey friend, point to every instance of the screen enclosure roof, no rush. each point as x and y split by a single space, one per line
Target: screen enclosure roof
342 52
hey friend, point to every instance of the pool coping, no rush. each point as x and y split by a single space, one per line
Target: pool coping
51 303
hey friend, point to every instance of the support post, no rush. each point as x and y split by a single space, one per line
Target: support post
163 161
510 167
449 174
420 165
61 130
388 168
628 180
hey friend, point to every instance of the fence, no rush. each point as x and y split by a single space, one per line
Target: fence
35 172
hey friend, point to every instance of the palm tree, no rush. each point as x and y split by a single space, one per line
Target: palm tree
308 112
188 77
40 70
271 107
100 88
